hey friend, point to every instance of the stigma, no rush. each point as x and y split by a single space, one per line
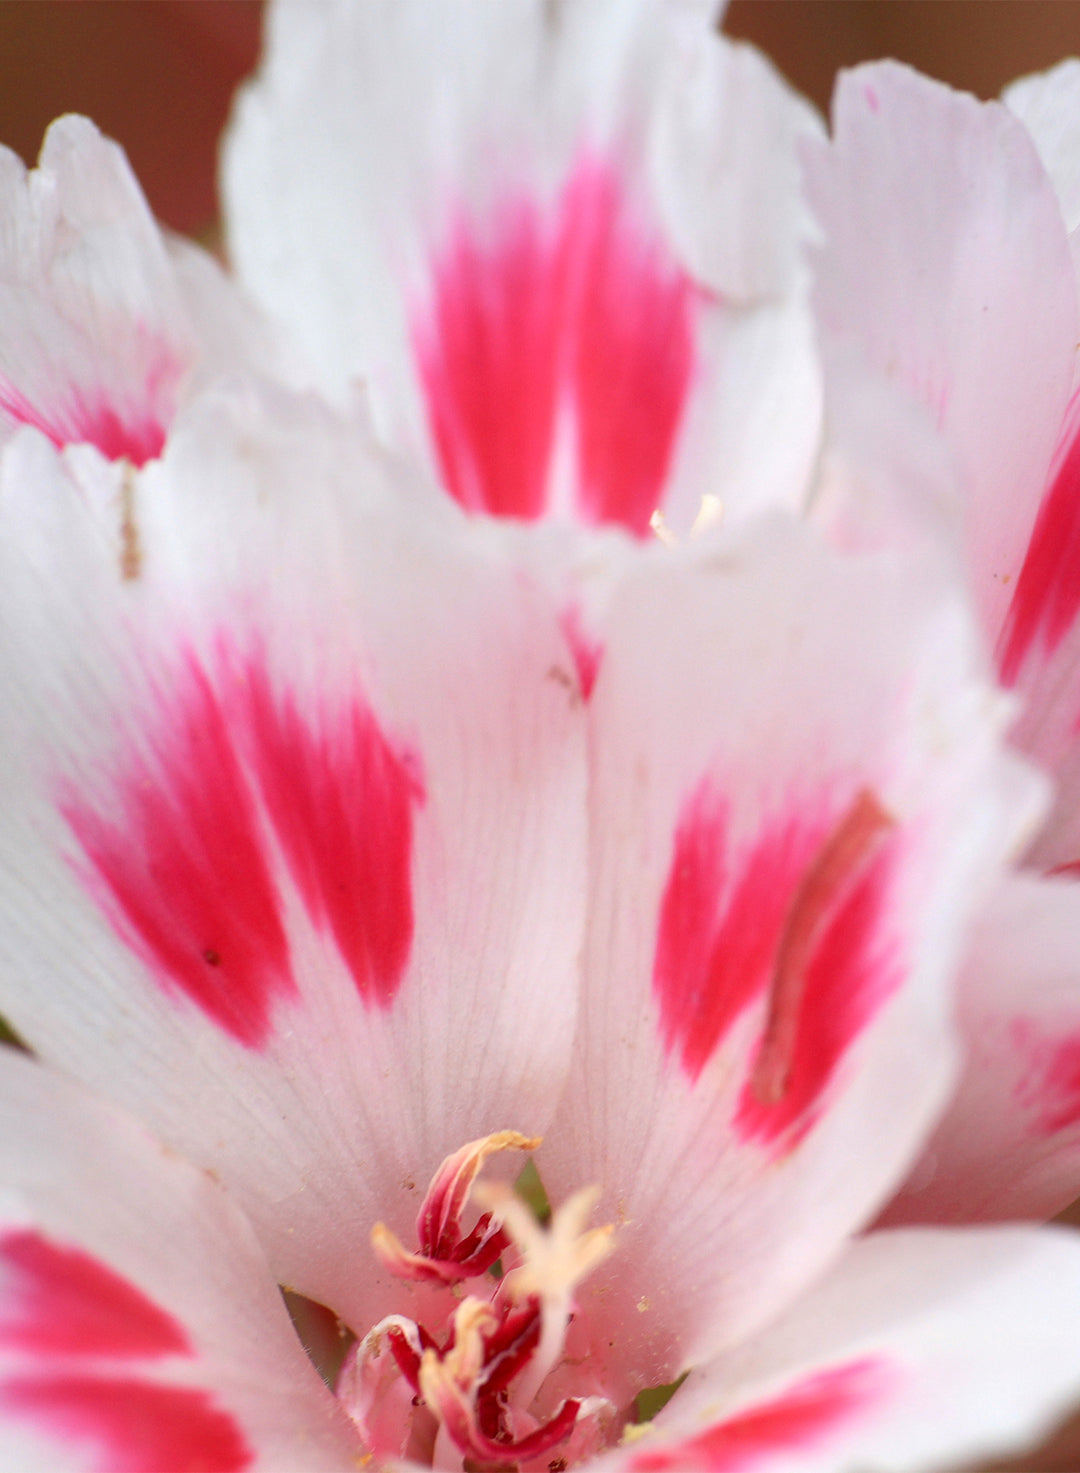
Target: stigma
473 1384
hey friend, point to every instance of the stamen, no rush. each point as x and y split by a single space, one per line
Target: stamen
709 514
660 529
451 1385
445 1256
467 1395
554 1260
440 1214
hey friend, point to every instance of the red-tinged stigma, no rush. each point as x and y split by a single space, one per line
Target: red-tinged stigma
471 1388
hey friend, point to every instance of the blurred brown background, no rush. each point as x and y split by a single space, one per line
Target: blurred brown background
158 75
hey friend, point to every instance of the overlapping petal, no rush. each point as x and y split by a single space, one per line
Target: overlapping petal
294 837
1009 1144
946 264
106 323
140 1325
790 824
350 838
920 1350
569 282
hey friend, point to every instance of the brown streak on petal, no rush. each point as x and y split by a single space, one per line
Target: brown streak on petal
130 549
841 858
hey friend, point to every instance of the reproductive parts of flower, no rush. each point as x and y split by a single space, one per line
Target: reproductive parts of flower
473 1385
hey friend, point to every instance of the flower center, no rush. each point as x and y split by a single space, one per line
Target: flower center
476 1379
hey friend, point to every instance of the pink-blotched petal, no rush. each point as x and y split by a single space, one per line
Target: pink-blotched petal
800 921
806 1413
142 1328
946 262
59 1300
133 1426
568 280
339 804
785 858
1008 1146
298 834
104 324
918 1350
580 321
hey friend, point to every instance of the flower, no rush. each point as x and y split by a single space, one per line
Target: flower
316 861
339 870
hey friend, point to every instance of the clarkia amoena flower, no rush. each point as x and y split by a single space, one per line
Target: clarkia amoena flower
528 941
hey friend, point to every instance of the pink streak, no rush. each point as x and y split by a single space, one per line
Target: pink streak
178 856
577 308
796 919
797 1421
632 352
61 1301
1046 598
721 922
1051 1086
132 426
587 651
488 361
132 1426
341 800
177 848
846 965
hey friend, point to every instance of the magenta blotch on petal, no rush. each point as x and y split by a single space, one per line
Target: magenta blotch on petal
1046 599
796 918
187 875
798 1420
574 319
59 1300
133 1426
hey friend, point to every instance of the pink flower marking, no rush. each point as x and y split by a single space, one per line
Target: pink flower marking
186 873
1046 598
124 421
799 919
1050 1089
719 930
798 1420
59 1300
587 651
341 801
134 1426
835 968
138 438
582 314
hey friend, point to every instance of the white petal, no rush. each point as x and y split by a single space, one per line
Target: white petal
103 325
293 851
141 1326
757 703
726 170
921 1350
95 342
1048 105
1009 1144
528 269
945 260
